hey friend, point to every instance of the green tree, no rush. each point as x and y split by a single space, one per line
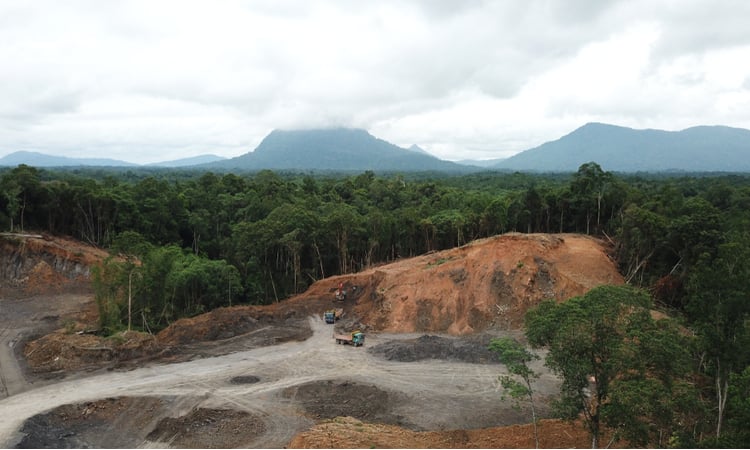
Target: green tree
642 234
604 345
344 222
23 193
131 244
588 188
719 310
109 280
516 359
738 408
12 194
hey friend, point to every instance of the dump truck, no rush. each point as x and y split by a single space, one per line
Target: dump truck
355 338
332 315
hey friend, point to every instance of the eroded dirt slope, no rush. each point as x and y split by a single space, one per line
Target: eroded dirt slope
36 264
487 283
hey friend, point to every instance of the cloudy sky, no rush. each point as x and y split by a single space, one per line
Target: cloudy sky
147 81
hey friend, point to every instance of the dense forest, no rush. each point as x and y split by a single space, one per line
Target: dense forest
187 242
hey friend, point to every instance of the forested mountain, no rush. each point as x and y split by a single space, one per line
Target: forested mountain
41 160
340 149
697 149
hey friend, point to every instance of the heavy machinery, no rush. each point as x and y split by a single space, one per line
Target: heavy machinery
340 295
332 315
355 338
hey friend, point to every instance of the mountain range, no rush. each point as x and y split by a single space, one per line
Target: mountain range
43 160
37 159
621 149
614 148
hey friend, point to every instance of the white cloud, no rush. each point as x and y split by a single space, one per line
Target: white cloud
148 81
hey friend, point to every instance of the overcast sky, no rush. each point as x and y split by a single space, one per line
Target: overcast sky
147 81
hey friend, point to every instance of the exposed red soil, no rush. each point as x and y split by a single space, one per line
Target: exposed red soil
346 432
66 350
490 282
43 264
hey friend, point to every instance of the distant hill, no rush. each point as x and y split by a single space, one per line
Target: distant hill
41 160
192 161
480 162
339 149
614 148
36 159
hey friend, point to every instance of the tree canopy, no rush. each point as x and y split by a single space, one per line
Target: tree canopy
619 367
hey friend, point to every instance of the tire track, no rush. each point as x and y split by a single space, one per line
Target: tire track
12 380
3 365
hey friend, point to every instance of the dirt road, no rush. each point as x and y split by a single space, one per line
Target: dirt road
425 395
11 379
21 317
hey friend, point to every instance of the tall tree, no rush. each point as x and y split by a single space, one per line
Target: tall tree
719 310
588 189
602 345
516 359
23 192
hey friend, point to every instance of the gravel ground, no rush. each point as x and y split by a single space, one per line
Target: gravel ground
471 349
298 384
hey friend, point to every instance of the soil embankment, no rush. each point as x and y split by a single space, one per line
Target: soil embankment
489 283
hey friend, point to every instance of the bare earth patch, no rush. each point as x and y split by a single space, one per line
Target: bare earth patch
328 399
208 428
347 432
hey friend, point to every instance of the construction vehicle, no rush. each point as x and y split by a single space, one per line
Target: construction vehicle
355 338
340 293
332 315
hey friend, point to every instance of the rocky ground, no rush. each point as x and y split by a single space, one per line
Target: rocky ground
272 376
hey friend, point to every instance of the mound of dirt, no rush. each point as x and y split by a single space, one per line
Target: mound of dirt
472 349
330 399
71 351
208 428
347 432
230 322
89 425
487 283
